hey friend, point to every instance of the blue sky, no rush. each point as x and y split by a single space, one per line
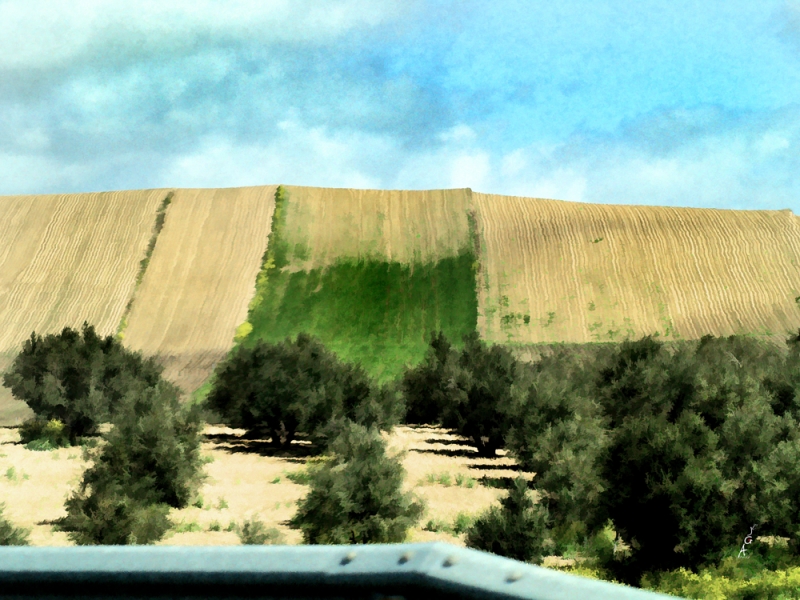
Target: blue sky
661 103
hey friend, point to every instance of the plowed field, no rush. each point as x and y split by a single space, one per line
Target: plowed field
66 259
566 271
325 224
200 279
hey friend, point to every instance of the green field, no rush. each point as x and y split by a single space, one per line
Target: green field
374 312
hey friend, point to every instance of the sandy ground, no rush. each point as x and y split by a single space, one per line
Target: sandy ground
250 478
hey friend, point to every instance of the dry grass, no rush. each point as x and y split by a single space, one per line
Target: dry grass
397 225
242 475
200 279
66 259
582 272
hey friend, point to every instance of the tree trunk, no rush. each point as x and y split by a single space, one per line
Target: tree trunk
485 449
288 439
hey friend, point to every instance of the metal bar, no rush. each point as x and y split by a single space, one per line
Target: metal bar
366 571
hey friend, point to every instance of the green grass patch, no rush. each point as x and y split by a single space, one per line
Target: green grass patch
369 311
374 312
161 215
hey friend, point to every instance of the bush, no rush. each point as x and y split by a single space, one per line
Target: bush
10 535
151 461
38 434
112 515
154 446
560 433
290 387
696 455
356 495
518 529
76 377
253 532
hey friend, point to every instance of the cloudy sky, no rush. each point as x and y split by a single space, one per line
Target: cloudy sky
681 103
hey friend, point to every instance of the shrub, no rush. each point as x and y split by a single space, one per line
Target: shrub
356 495
696 454
462 523
518 529
38 434
151 461
76 377
10 535
290 387
154 442
253 532
112 515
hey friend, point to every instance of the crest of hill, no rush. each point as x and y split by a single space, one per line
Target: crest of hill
590 273
324 225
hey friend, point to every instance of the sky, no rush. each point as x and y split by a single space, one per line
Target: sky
678 103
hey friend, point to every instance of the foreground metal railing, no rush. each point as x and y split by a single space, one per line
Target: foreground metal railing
367 571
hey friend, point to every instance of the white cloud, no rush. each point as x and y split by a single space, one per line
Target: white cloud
299 156
469 170
771 143
36 34
460 134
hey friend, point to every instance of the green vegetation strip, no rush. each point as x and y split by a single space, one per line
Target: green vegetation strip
371 311
161 215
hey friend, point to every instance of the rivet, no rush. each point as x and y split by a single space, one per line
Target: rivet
514 576
406 557
450 561
349 557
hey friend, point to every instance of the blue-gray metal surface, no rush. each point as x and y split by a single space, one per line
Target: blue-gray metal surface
367 571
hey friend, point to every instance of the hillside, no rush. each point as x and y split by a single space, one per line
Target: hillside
66 259
371 272
588 273
200 279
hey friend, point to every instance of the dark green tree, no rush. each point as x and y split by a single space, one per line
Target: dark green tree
480 395
76 377
517 529
150 461
10 535
427 386
356 494
560 433
696 454
290 387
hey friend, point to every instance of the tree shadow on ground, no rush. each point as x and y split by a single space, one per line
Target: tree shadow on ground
494 467
298 451
447 442
471 453
501 483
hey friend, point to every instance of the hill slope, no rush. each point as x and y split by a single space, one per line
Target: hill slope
66 259
588 273
200 279
371 271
